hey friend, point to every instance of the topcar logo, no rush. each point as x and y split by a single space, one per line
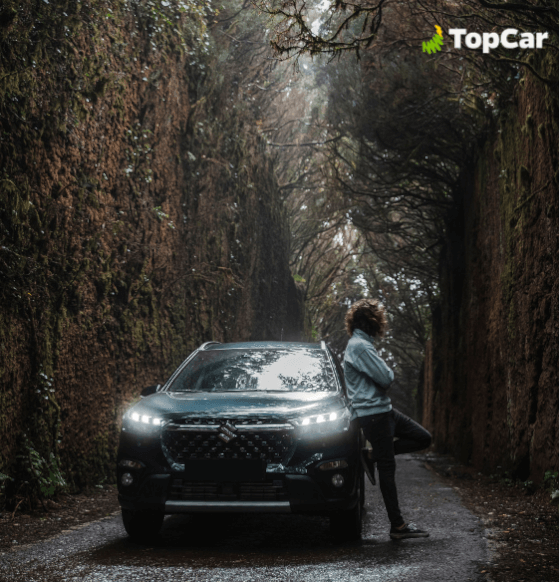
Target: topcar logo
509 39
491 40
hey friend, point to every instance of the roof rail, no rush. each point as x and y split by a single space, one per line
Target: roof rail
204 345
323 345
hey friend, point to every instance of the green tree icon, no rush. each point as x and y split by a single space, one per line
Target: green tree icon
435 43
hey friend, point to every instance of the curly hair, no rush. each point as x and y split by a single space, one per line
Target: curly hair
368 315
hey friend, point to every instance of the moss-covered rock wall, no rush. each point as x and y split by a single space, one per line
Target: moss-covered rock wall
491 374
139 217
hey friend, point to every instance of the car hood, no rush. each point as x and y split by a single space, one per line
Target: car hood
228 404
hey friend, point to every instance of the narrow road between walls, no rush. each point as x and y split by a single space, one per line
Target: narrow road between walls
273 547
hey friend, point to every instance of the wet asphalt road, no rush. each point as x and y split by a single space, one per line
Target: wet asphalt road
272 547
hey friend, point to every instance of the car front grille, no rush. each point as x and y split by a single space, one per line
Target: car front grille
266 440
182 490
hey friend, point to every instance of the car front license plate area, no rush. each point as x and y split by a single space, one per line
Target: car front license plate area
224 470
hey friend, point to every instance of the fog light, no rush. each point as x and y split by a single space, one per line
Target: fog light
127 479
338 480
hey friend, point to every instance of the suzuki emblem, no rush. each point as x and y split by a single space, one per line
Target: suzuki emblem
227 432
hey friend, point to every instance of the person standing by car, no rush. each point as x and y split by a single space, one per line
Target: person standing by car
367 380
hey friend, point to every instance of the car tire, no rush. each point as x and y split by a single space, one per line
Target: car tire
142 526
347 525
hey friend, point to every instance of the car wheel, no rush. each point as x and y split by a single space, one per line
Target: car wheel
347 525
142 526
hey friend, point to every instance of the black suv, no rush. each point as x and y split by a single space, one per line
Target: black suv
244 427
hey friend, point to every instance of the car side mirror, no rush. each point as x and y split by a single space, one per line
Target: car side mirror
150 390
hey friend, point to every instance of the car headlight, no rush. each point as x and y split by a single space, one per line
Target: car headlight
134 421
145 419
329 421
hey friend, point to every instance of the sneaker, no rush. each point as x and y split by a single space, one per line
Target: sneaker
368 465
408 531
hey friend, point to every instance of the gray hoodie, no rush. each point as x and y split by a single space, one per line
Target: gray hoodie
367 376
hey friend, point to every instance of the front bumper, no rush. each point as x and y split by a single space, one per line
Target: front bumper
303 495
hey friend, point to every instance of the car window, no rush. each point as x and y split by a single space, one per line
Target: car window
257 370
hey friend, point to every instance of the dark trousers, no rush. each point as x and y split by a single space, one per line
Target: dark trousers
380 430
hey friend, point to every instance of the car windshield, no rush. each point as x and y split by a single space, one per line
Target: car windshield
257 370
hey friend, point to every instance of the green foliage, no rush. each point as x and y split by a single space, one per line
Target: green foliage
550 483
162 215
37 473
551 479
44 478
314 334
